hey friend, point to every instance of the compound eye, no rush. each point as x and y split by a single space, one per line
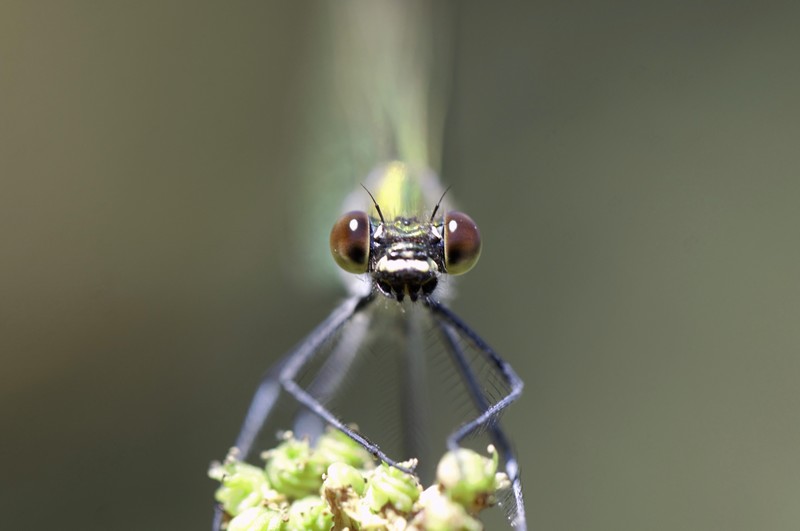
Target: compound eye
350 242
462 243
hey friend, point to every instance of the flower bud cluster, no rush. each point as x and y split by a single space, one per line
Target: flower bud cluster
334 485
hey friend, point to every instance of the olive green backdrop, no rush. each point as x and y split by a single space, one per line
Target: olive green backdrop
633 166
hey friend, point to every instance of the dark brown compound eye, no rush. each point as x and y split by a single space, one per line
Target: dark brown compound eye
462 243
350 242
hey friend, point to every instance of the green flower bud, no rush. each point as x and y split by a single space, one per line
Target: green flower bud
388 485
257 519
336 447
243 485
291 470
440 513
469 478
309 514
342 476
342 489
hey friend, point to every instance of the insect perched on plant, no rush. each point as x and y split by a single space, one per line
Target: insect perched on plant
391 370
398 264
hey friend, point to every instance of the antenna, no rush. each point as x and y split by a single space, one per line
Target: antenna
438 203
378 208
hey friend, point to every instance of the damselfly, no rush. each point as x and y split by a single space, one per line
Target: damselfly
398 263
392 358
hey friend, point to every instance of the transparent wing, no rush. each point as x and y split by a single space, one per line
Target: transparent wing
376 85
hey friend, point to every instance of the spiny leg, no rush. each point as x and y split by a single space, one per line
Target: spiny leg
266 395
300 359
332 374
268 391
490 416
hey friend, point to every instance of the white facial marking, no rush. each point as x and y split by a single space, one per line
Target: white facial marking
452 225
354 224
395 266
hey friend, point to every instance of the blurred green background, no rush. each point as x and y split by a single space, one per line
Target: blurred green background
634 169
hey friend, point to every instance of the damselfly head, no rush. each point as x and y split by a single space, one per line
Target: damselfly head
405 256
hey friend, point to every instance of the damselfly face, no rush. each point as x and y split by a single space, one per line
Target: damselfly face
405 256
